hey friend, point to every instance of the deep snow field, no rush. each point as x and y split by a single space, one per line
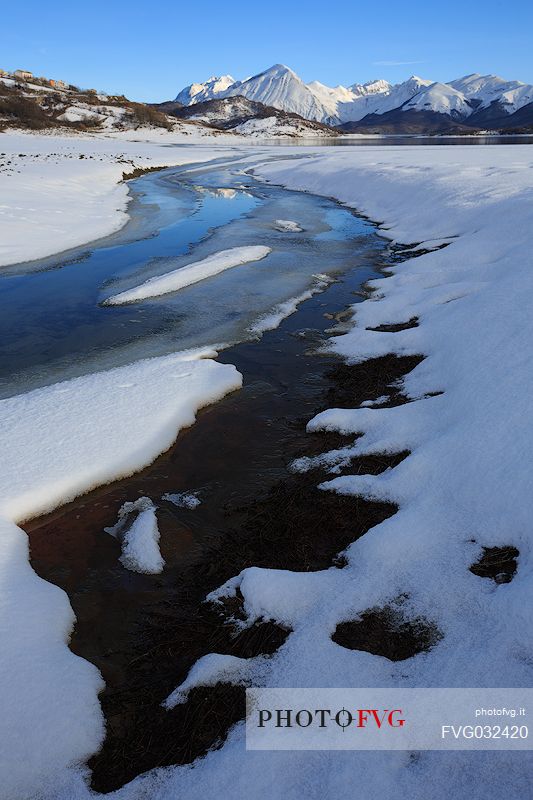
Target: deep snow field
467 483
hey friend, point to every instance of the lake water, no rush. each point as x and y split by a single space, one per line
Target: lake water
408 141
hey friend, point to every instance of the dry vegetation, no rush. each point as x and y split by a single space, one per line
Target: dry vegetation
25 105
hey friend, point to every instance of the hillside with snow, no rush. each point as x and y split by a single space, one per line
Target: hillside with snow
35 105
247 117
475 101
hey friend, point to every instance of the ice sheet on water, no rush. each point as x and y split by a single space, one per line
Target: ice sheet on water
191 273
287 226
188 500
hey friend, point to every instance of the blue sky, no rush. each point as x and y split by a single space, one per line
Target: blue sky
150 51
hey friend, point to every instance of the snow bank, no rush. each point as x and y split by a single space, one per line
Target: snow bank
49 697
58 442
191 273
65 439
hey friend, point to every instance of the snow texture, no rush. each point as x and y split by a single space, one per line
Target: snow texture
65 439
191 273
124 514
466 484
211 669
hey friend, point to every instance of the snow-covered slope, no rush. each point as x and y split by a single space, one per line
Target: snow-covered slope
281 88
465 485
37 106
486 89
441 98
211 88
248 117
379 102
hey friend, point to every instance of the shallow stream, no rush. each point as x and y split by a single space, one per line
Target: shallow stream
53 324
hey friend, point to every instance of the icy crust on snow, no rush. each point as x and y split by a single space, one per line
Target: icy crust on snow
188 500
58 442
191 273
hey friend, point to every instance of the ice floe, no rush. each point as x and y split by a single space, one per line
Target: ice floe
191 273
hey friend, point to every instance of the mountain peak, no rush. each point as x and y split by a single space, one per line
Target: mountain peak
278 69
418 79
198 92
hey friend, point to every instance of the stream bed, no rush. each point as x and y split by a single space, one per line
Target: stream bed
144 632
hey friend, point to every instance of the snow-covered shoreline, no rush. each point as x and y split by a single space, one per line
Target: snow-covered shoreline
58 192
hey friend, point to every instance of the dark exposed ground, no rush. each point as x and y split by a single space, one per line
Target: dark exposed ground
385 632
498 563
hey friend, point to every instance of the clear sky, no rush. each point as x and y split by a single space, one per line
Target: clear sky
149 51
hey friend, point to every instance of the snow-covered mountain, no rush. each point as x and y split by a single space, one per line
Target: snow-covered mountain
281 88
480 97
209 90
442 98
482 90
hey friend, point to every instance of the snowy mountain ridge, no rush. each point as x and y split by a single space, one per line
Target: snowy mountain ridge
280 87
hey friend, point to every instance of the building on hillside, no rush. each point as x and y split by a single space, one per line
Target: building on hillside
58 84
23 74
